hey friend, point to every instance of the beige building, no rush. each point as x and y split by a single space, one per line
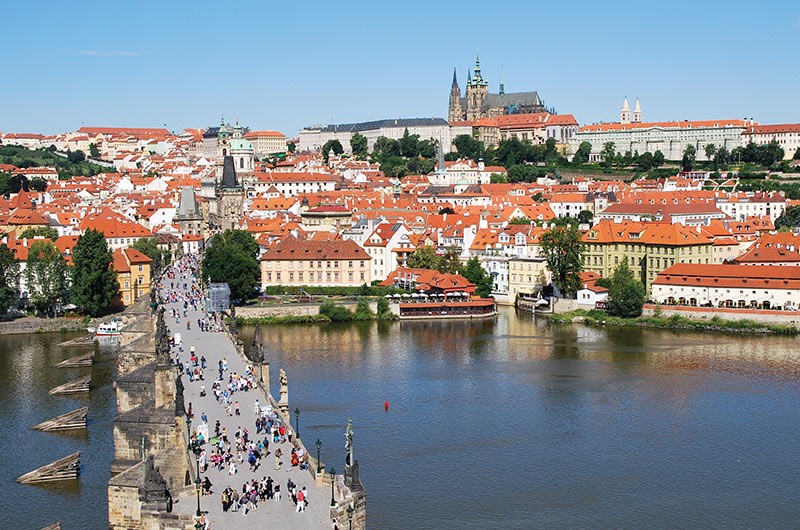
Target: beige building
526 276
340 263
133 275
786 134
267 142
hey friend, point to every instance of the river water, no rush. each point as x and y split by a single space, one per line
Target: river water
509 423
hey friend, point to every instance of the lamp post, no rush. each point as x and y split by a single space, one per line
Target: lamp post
318 444
197 487
350 511
333 479
297 422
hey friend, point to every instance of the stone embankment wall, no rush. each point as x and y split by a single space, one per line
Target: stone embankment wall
42 325
294 309
707 313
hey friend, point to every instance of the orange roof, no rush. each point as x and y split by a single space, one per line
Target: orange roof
773 129
730 276
292 248
264 134
698 124
644 234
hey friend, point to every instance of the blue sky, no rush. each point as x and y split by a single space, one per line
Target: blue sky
286 65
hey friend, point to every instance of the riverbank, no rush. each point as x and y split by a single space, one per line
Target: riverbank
676 321
42 325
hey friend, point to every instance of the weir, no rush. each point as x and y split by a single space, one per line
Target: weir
156 482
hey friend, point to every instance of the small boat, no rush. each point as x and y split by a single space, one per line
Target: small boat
107 329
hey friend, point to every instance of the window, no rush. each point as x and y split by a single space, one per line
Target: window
362 275
127 284
291 276
350 264
141 268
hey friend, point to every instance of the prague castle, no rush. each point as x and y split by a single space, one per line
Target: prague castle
479 103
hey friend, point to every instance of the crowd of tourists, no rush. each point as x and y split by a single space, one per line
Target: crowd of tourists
223 453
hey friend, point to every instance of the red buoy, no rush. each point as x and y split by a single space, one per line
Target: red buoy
386 405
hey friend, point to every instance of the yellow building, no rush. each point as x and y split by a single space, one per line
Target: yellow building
133 275
322 263
526 276
649 247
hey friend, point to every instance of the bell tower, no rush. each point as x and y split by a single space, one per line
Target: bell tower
455 111
625 112
477 90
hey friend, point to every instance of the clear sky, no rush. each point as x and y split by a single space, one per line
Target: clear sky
289 64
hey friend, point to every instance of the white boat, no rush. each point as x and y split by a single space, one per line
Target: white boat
107 329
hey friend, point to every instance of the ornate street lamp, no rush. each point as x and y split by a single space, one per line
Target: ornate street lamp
350 511
333 479
318 443
197 488
297 422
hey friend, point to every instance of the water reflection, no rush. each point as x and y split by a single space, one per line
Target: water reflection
527 425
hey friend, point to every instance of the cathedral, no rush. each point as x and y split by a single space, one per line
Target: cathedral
479 103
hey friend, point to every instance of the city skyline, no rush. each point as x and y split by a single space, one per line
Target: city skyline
114 65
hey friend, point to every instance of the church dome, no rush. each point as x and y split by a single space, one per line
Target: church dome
240 144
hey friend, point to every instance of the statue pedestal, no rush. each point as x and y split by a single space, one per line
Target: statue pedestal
283 404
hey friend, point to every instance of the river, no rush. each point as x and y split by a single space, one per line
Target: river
510 423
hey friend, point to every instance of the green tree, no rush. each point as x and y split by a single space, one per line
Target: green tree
519 221
450 262
291 146
582 154
585 217
608 154
475 273
711 151
232 257
626 295
94 282
562 247
9 278
38 184
467 146
790 218
76 157
46 276
94 152
363 312
358 144
423 258
658 158
796 155
149 247
689 156
384 311
409 144
39 231
645 161
331 145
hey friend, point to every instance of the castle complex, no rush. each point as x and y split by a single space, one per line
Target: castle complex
479 103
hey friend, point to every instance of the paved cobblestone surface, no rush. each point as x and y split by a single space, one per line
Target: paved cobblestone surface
271 513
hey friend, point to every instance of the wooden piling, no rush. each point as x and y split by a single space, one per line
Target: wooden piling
73 387
65 422
78 361
66 468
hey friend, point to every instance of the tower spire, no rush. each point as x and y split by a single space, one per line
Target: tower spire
455 81
502 86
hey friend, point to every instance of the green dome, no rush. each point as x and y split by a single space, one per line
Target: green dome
240 144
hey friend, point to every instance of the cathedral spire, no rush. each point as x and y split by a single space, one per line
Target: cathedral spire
478 77
502 86
455 81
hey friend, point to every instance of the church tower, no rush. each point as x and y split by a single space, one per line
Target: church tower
625 112
227 207
456 111
637 113
477 90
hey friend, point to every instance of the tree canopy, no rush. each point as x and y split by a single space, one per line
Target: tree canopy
44 231
9 278
149 247
789 219
561 247
626 295
358 144
46 276
232 257
94 282
475 273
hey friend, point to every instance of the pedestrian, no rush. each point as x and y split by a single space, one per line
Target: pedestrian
256 408
276 494
236 408
278 454
301 504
